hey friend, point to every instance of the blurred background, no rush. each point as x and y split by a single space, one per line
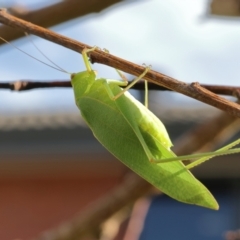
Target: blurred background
52 170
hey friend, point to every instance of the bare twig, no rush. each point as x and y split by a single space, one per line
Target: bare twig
23 85
55 14
193 90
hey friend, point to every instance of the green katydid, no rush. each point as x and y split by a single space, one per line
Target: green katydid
135 136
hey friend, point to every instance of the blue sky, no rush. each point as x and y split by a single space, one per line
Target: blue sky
175 37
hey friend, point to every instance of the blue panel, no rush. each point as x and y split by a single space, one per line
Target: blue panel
168 219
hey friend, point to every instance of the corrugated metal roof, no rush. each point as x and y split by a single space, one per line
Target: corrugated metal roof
40 121
71 120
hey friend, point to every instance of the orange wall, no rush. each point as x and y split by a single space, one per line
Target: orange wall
34 202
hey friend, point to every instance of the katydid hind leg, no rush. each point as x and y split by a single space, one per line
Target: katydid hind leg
202 157
228 150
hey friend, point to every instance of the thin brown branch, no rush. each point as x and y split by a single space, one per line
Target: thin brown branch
211 132
24 85
55 14
193 90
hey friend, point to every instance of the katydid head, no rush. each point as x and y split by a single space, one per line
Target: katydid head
82 81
